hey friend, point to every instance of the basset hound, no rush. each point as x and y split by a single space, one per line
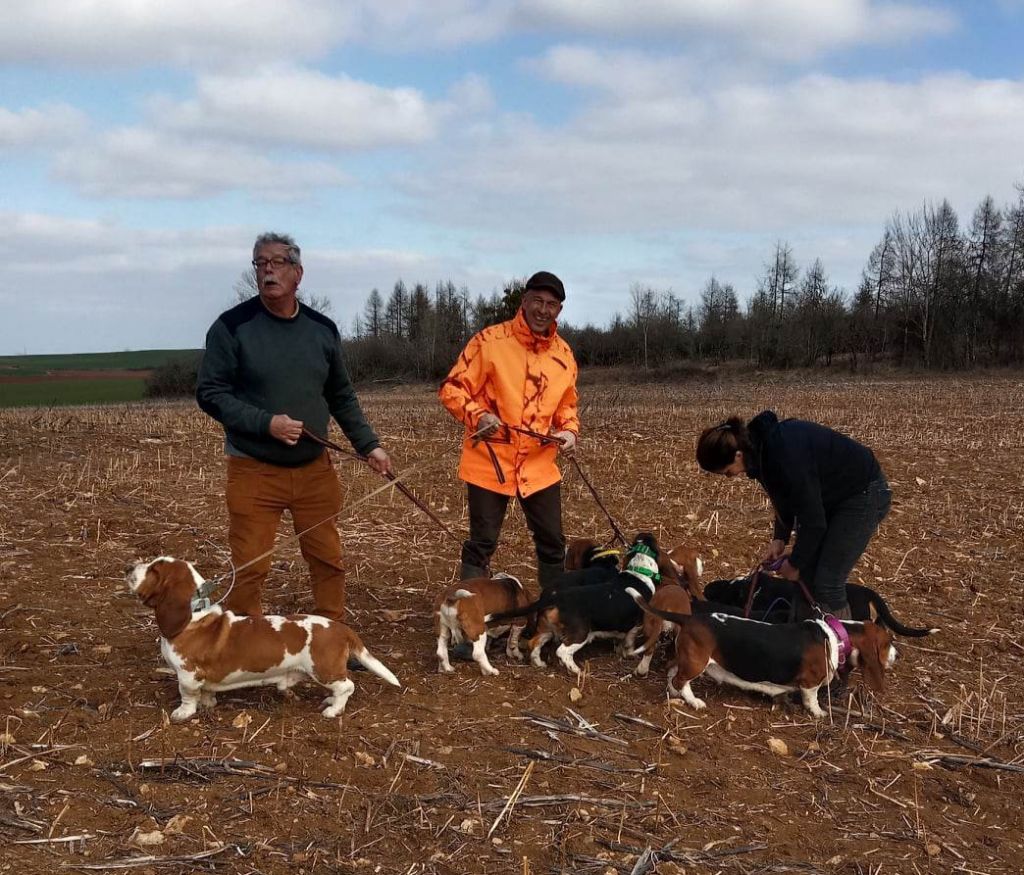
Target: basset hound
589 604
775 593
211 649
669 597
681 565
463 610
772 658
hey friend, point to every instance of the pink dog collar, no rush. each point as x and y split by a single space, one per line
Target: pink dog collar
845 645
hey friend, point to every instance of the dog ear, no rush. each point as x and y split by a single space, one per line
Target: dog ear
872 660
579 553
171 597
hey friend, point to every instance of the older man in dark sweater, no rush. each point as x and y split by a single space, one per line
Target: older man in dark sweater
273 366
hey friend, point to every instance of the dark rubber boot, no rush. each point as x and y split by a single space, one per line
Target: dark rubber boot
471 572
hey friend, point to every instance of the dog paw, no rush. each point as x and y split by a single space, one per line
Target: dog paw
697 704
517 655
333 711
492 671
182 713
640 671
445 669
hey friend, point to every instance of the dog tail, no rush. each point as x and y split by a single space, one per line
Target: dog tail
524 611
645 606
458 595
501 575
374 665
887 619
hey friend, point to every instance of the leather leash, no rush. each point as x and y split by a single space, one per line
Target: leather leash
548 439
405 490
755 577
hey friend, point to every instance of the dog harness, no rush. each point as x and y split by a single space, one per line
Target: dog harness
845 645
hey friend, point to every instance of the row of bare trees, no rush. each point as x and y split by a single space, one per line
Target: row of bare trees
932 294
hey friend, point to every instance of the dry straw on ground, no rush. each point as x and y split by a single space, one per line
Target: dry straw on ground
466 774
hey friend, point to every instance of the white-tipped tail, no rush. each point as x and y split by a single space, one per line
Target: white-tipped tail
700 567
376 666
458 595
634 594
501 575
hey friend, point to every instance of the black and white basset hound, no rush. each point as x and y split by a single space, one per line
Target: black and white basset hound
772 658
590 603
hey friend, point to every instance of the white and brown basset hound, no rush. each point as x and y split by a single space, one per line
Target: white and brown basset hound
772 658
462 613
212 649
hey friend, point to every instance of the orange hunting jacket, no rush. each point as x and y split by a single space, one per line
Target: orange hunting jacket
525 380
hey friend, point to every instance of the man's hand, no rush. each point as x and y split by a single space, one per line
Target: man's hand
286 429
774 550
379 461
568 440
487 425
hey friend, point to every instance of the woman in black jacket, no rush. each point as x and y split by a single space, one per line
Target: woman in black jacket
825 486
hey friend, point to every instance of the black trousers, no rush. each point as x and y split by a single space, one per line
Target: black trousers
543 511
851 524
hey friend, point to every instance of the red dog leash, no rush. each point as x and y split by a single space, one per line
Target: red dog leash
399 485
548 439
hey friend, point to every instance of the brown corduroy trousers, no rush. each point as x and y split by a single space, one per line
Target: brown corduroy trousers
257 494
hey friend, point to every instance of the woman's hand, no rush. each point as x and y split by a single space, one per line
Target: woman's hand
788 571
774 550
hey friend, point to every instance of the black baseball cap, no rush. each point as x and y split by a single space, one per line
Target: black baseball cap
546 282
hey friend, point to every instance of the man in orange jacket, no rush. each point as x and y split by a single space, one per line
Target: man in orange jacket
517 373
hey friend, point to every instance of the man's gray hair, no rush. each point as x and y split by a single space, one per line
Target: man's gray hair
294 253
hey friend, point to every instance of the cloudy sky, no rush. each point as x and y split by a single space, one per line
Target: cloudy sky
144 143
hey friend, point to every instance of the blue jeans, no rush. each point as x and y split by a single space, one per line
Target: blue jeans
851 525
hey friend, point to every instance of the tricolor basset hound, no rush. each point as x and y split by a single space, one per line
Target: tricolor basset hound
775 593
669 597
589 604
681 565
463 610
772 658
212 649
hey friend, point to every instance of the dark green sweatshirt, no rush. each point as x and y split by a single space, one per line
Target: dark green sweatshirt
257 365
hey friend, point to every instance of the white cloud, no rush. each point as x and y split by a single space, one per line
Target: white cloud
233 34
783 29
303 108
145 32
45 126
144 163
99 284
249 132
647 156
404 25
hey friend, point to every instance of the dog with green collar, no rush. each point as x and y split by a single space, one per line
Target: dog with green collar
594 606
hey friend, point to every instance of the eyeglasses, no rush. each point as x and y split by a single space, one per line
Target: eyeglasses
277 262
